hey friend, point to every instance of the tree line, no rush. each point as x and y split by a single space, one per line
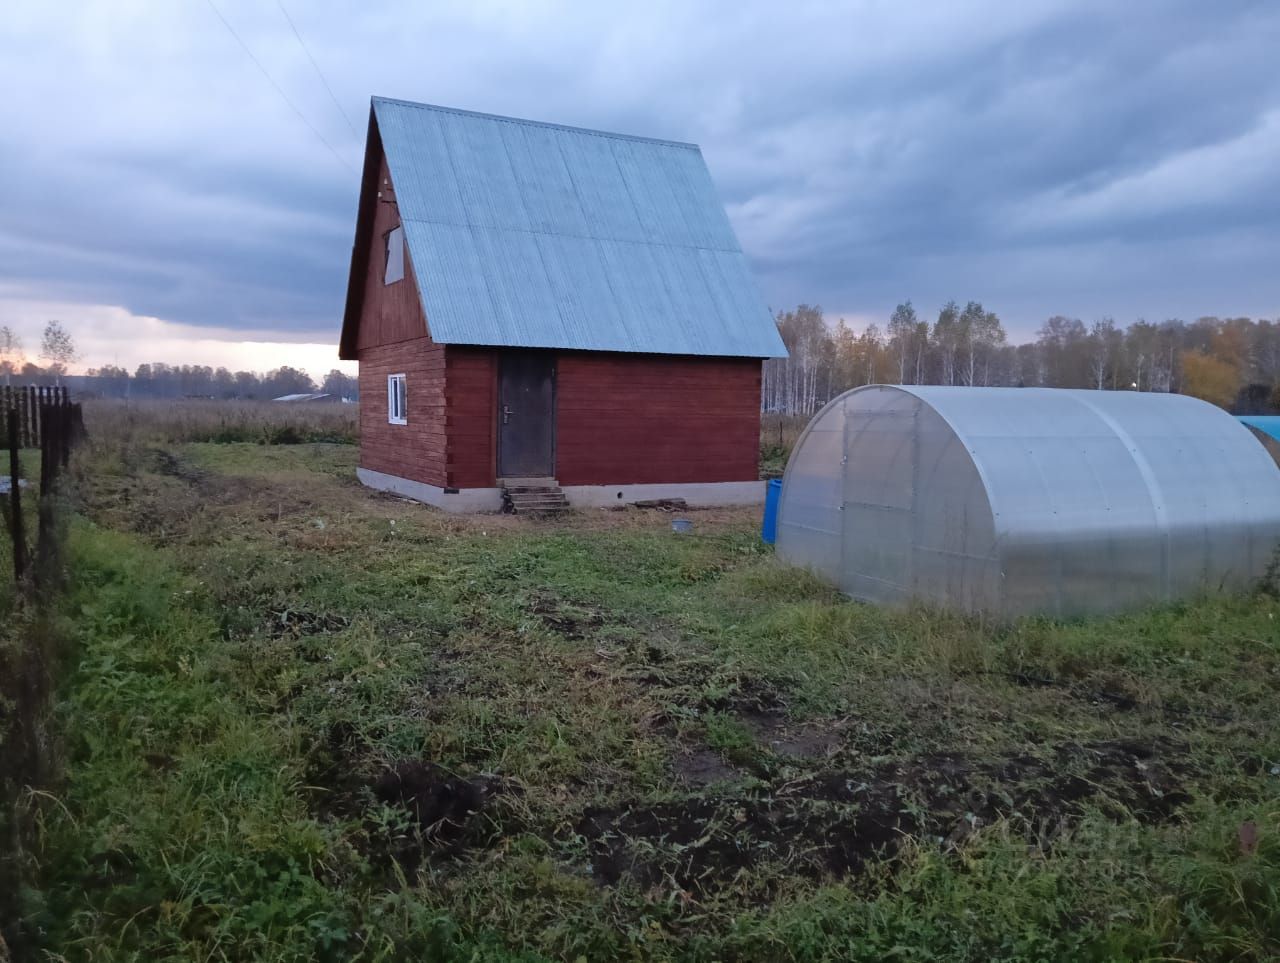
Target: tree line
1230 362
58 352
159 380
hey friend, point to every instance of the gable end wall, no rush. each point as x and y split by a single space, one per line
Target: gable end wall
392 338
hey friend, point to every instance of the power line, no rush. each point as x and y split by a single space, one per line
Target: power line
319 72
279 89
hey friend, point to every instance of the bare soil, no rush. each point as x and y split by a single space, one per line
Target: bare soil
833 823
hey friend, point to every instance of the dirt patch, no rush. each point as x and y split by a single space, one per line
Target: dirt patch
296 623
440 814
281 504
792 741
704 844
746 695
440 803
437 809
831 824
449 674
160 761
701 685
572 622
705 767
333 769
167 463
1119 701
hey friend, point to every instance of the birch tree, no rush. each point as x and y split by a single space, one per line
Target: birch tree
58 349
946 338
903 325
10 352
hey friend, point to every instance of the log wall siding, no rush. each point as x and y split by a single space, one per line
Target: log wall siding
415 450
390 312
620 419
640 419
471 396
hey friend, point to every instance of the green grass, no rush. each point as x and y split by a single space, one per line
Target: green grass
258 640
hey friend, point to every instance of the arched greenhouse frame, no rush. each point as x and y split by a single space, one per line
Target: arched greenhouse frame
1018 501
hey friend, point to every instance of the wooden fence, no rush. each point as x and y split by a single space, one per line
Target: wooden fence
43 418
25 402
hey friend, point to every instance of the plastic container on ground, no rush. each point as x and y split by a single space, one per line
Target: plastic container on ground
769 527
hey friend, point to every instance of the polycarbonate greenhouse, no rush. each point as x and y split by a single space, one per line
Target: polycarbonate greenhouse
1016 501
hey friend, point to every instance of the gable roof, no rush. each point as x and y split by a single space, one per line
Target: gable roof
526 234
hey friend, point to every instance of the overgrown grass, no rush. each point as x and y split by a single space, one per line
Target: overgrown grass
675 747
778 435
222 422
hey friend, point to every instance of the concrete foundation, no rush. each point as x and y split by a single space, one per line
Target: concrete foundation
461 501
696 494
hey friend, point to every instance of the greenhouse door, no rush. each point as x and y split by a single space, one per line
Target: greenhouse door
879 504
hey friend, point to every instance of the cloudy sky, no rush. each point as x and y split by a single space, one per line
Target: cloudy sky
165 200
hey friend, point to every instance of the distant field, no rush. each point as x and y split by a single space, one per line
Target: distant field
312 722
223 422
265 422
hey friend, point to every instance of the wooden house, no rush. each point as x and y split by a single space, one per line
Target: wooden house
539 307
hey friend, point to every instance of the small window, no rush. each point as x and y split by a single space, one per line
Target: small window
395 256
397 400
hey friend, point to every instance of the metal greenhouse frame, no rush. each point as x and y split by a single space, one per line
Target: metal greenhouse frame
1016 501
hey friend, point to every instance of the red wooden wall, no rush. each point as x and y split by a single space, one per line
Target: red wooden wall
637 419
620 419
415 450
471 392
392 339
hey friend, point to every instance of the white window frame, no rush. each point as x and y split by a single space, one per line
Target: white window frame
397 399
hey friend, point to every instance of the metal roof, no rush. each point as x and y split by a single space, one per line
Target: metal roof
1267 424
527 234
1028 500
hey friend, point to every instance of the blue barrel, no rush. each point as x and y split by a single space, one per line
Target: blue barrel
772 495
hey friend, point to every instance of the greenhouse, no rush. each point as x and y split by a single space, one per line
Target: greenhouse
1015 501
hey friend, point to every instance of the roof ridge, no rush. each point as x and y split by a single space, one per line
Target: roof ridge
534 123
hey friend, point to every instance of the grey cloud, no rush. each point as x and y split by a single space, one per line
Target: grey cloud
1082 157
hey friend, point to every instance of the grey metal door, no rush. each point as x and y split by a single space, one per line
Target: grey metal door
527 415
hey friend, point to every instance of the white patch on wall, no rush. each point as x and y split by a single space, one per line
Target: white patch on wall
395 256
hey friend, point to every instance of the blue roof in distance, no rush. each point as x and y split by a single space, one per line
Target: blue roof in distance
526 234
1268 424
